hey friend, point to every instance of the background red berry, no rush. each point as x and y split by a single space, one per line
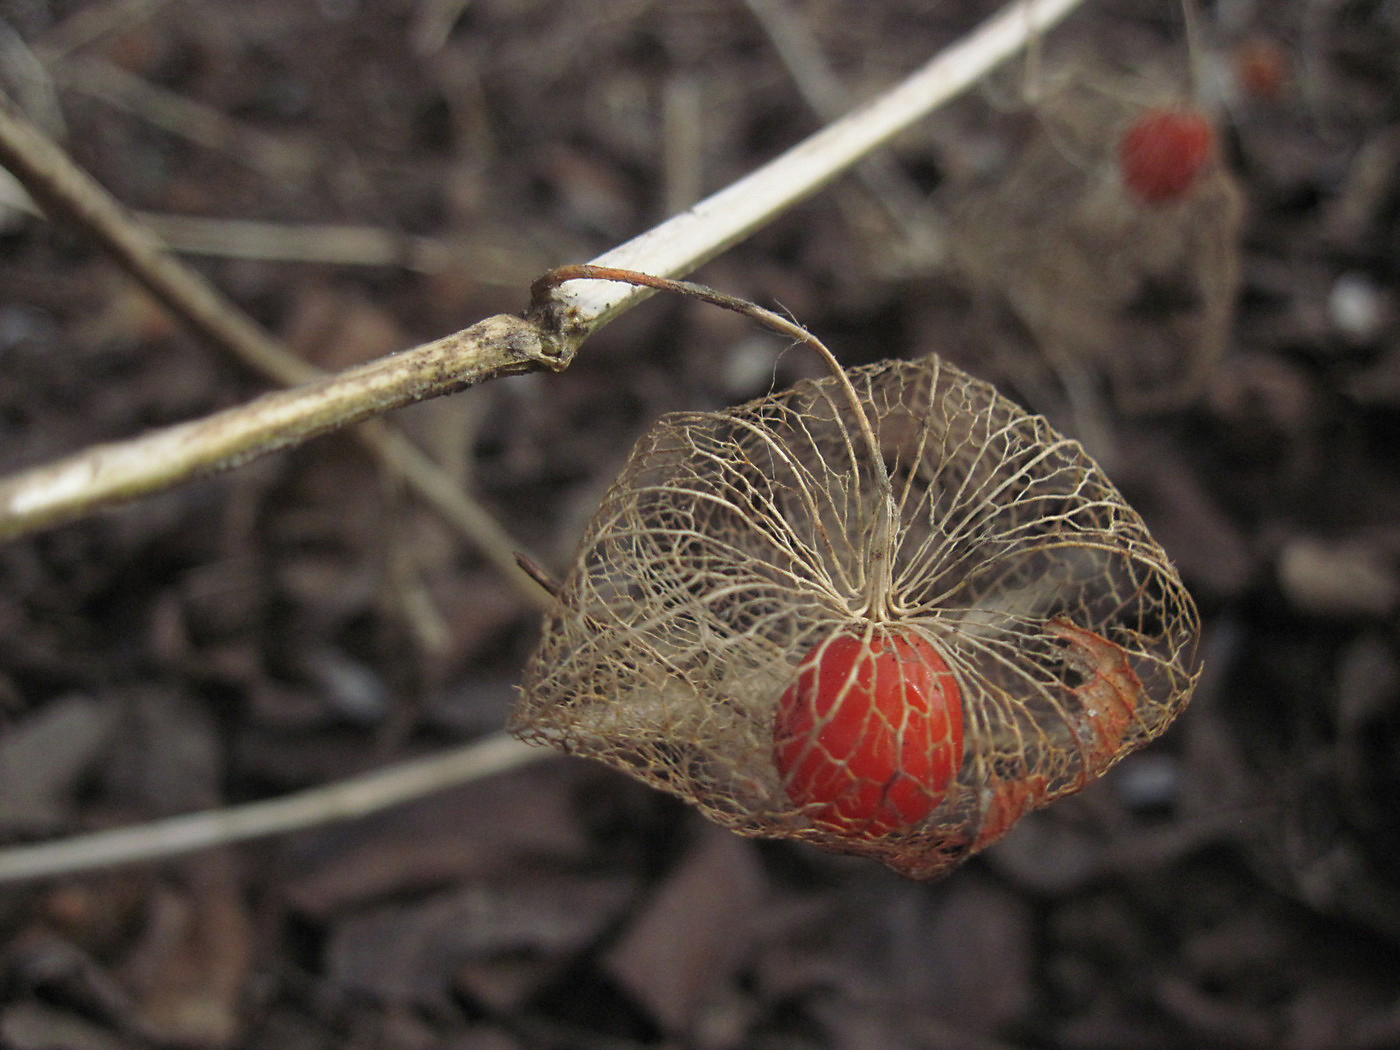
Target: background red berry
1162 153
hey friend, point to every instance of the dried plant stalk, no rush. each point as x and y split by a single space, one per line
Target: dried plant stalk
982 563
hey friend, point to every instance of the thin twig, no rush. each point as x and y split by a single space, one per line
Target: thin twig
432 24
343 800
185 117
539 574
682 142
25 74
63 188
337 244
797 48
111 474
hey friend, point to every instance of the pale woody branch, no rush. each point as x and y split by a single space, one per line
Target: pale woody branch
114 473
111 473
344 800
682 243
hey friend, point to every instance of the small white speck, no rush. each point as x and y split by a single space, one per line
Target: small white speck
1356 306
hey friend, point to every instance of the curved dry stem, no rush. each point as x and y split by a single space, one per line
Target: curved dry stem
344 800
882 527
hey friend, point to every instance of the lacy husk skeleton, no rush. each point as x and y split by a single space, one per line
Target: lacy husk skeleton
901 498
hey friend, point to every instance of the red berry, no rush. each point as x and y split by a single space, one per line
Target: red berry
869 735
1162 153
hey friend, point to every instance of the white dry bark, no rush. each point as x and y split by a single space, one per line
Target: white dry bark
113 473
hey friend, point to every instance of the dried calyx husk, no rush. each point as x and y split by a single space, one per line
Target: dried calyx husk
887 613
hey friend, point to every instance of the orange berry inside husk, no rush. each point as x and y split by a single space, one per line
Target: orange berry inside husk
869 735
1163 152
